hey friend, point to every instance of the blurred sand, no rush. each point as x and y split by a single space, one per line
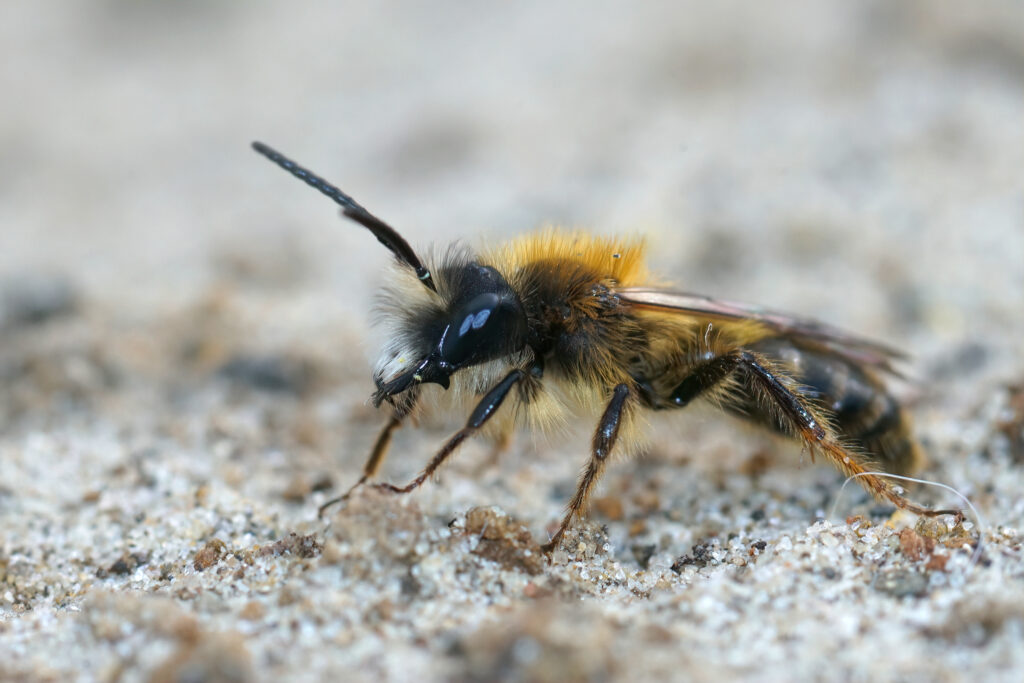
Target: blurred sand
185 336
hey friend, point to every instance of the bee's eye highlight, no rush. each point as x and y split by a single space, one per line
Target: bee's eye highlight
474 321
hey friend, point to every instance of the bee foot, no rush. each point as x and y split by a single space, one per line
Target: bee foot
340 499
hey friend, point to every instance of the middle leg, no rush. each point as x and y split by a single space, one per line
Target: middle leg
601 447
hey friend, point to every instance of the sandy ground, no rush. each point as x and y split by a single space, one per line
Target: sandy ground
185 338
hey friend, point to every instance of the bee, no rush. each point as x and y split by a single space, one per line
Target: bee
559 324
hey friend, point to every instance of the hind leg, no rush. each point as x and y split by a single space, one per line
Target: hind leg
757 382
864 413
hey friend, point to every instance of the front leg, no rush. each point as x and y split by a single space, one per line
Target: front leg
483 412
402 410
380 449
601 447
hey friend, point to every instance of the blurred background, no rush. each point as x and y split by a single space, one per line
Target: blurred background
857 161
185 336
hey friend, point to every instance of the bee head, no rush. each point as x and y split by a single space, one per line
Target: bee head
479 317
481 320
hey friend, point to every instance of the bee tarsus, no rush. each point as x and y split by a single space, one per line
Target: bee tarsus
380 448
483 412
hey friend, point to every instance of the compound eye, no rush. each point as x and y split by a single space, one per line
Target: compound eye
486 327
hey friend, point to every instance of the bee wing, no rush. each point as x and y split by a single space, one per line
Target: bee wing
852 348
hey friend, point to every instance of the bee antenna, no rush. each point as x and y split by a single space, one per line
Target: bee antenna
384 233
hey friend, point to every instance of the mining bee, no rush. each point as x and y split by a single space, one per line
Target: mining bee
558 324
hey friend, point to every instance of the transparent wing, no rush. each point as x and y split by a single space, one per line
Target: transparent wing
800 330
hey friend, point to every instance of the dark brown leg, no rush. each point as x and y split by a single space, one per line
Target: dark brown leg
380 449
796 412
484 410
604 440
861 409
814 432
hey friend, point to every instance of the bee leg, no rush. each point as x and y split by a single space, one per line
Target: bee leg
794 409
380 449
604 440
484 410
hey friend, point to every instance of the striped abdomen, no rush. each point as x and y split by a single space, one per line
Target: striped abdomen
867 417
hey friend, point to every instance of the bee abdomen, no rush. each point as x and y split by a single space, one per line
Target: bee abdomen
865 414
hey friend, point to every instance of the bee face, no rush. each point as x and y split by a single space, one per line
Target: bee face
480 319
